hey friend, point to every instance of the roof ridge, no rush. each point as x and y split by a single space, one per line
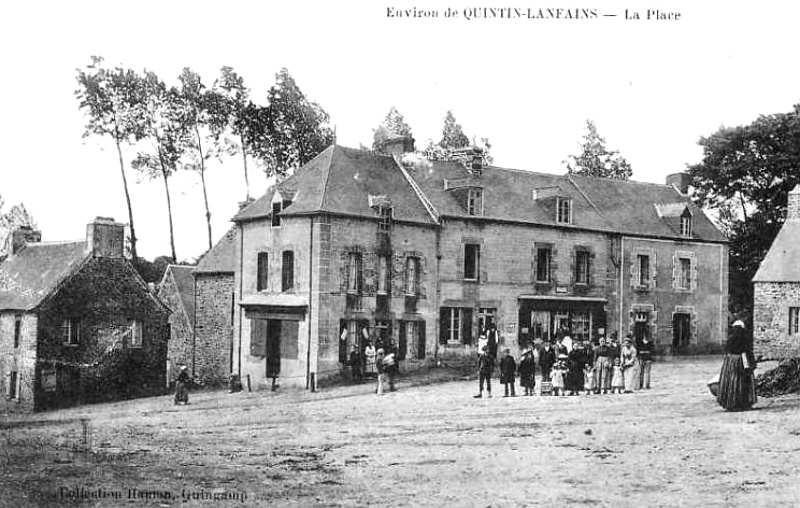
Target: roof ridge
327 169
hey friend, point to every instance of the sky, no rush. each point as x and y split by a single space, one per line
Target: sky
652 87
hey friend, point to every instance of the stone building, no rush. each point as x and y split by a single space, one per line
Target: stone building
776 291
214 312
358 246
176 289
77 323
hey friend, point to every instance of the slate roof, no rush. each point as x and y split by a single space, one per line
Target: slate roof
782 262
32 274
341 180
222 257
184 283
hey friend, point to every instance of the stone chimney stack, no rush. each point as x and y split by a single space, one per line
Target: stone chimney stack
398 145
105 238
680 181
793 208
23 235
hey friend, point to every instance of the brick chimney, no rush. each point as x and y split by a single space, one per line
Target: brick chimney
793 207
680 181
23 235
398 144
105 238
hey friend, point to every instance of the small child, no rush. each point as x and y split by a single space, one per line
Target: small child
617 381
508 372
557 377
588 379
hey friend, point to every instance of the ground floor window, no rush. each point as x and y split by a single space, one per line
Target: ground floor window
13 388
455 325
794 320
412 340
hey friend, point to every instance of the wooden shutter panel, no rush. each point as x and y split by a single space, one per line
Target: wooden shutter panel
402 342
466 326
258 337
444 317
289 339
421 340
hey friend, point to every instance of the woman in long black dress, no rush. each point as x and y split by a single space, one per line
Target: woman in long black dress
575 367
737 387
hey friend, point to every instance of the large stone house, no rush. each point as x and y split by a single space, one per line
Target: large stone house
77 323
358 246
776 291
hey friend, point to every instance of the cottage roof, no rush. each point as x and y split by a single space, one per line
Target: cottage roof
782 262
33 273
183 277
222 257
344 180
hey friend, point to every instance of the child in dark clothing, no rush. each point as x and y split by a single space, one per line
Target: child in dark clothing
485 369
527 368
508 372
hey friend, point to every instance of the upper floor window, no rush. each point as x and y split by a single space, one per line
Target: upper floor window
564 211
544 261
354 272
582 266
475 201
17 329
385 214
384 274
644 269
262 271
412 275
794 320
472 261
136 333
287 270
70 332
686 224
684 273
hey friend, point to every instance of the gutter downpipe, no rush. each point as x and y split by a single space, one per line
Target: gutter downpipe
309 382
437 300
621 285
241 287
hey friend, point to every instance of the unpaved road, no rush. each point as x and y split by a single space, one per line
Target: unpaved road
421 446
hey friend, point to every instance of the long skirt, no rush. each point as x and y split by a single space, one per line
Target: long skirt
181 393
631 378
737 387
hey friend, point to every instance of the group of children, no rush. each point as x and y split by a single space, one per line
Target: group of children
568 369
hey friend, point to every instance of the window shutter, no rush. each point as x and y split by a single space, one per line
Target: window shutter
421 340
370 264
402 342
258 337
466 326
289 339
444 318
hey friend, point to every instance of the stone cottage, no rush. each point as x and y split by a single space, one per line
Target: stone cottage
77 323
776 291
388 248
176 289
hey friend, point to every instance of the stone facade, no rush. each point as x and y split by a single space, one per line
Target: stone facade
181 340
17 361
215 312
771 319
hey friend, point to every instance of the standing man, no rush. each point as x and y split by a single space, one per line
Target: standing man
485 369
645 357
492 339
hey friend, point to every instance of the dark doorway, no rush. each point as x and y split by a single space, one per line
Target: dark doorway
273 348
641 326
681 330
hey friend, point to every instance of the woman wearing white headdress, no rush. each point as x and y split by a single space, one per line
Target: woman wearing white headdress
737 387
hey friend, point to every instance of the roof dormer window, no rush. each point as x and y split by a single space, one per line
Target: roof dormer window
279 204
686 224
563 210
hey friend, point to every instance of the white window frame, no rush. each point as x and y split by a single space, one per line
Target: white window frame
548 260
456 325
412 275
587 266
355 269
70 333
686 225
567 203
136 333
643 260
684 273
794 321
474 201
383 275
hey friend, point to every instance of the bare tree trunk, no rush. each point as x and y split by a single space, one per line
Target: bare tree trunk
244 156
169 212
203 180
128 200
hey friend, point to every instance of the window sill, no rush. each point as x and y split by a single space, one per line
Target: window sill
69 344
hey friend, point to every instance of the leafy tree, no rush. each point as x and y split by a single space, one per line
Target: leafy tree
452 133
392 125
596 160
110 99
166 123
14 218
231 105
291 130
197 102
745 176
